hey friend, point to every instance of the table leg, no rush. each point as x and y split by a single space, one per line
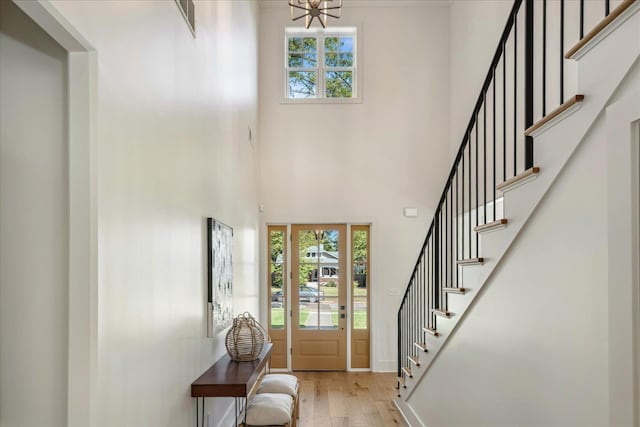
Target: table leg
245 410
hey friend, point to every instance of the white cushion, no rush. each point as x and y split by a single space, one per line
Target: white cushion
268 409
279 383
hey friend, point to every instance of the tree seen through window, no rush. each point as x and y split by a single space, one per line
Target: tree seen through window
332 76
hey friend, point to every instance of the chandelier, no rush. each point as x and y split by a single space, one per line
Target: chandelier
311 9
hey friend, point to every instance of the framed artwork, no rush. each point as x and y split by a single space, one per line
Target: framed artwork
220 277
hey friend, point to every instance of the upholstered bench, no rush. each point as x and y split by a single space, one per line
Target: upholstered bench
270 409
282 383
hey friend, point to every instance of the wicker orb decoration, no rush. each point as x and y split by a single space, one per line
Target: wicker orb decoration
245 339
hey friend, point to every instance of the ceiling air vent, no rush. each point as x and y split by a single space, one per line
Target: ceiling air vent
189 12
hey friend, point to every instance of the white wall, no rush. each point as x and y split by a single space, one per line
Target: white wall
34 224
173 118
474 31
363 162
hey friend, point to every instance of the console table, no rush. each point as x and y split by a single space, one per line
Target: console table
227 378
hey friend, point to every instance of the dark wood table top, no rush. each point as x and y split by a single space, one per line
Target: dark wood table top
229 378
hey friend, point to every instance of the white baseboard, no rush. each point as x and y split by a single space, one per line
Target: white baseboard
408 416
385 366
227 420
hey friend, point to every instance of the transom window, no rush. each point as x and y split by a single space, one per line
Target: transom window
321 64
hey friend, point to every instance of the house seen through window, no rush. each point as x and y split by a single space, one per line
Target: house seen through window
321 64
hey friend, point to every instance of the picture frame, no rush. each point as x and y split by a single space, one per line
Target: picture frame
219 277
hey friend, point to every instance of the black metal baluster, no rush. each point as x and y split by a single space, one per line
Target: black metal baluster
561 51
413 324
418 298
494 144
504 111
484 161
477 188
404 346
399 341
416 320
412 315
425 293
470 168
581 19
544 58
432 321
412 319
440 259
411 328
425 275
607 8
457 228
433 278
436 267
425 289
528 83
515 95
462 212
452 262
446 240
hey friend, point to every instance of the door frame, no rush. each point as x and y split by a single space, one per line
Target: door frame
342 331
265 302
83 212
623 176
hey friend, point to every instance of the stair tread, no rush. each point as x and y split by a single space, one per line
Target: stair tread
414 360
455 290
407 370
431 331
531 172
491 225
601 26
443 313
470 261
421 346
555 113
402 382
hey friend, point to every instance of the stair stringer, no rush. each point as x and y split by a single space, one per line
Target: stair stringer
553 149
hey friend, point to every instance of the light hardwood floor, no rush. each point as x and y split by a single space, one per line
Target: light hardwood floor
347 399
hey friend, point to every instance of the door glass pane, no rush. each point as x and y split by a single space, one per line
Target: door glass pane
276 278
308 246
318 279
360 276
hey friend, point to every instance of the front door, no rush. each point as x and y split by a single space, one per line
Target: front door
318 296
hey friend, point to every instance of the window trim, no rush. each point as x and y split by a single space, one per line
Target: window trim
320 69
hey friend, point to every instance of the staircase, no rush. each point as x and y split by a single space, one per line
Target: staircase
495 183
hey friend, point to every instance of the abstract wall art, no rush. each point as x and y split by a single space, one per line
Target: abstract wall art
220 277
